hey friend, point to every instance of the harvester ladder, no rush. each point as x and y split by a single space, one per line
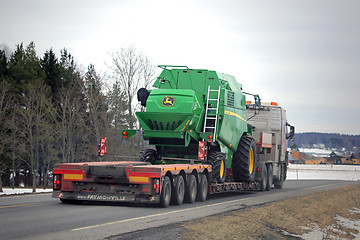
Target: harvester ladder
213 110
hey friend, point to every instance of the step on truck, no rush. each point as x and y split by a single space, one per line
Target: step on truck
202 142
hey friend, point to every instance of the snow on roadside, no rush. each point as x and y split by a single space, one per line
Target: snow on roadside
323 172
10 191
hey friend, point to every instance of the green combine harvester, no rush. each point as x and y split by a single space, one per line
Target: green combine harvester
194 109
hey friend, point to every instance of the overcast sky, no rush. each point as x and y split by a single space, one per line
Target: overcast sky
303 54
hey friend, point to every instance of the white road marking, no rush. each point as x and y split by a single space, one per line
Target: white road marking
160 214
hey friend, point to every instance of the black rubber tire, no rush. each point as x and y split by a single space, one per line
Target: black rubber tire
178 191
263 179
191 189
244 160
278 183
165 196
218 163
202 188
148 155
269 181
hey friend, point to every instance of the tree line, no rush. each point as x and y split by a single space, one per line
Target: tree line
53 111
351 143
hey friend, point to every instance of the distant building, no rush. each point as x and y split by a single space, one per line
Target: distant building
306 158
354 158
303 158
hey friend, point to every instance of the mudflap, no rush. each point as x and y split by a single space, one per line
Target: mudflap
260 166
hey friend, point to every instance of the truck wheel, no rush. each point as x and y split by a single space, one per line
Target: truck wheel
165 193
202 189
285 171
218 163
263 179
191 189
148 155
269 181
244 161
278 183
178 192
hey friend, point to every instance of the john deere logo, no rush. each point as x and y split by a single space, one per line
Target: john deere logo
168 101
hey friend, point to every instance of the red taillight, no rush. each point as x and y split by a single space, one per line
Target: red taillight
202 150
209 138
125 134
156 185
56 185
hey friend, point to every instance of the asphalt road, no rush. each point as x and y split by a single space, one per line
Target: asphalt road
42 217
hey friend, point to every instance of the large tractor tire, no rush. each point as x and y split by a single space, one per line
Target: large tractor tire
244 161
148 155
178 191
218 163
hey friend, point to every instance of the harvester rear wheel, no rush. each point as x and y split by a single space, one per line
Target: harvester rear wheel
218 163
148 155
244 161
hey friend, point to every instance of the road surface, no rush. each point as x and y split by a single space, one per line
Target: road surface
42 217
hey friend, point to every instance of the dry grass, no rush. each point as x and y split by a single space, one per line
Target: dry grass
268 221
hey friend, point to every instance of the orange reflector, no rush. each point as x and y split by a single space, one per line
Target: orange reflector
73 176
133 179
248 102
274 104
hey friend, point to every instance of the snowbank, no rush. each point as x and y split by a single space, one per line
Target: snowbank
323 172
10 191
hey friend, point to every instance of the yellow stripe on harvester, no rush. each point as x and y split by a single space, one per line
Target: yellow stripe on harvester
133 179
73 176
234 115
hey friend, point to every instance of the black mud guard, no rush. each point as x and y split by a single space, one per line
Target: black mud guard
260 165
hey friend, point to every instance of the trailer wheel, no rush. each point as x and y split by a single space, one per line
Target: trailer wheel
165 193
191 189
178 192
263 182
269 181
202 188
244 161
218 163
148 155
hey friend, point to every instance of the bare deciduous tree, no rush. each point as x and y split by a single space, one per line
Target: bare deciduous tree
132 71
